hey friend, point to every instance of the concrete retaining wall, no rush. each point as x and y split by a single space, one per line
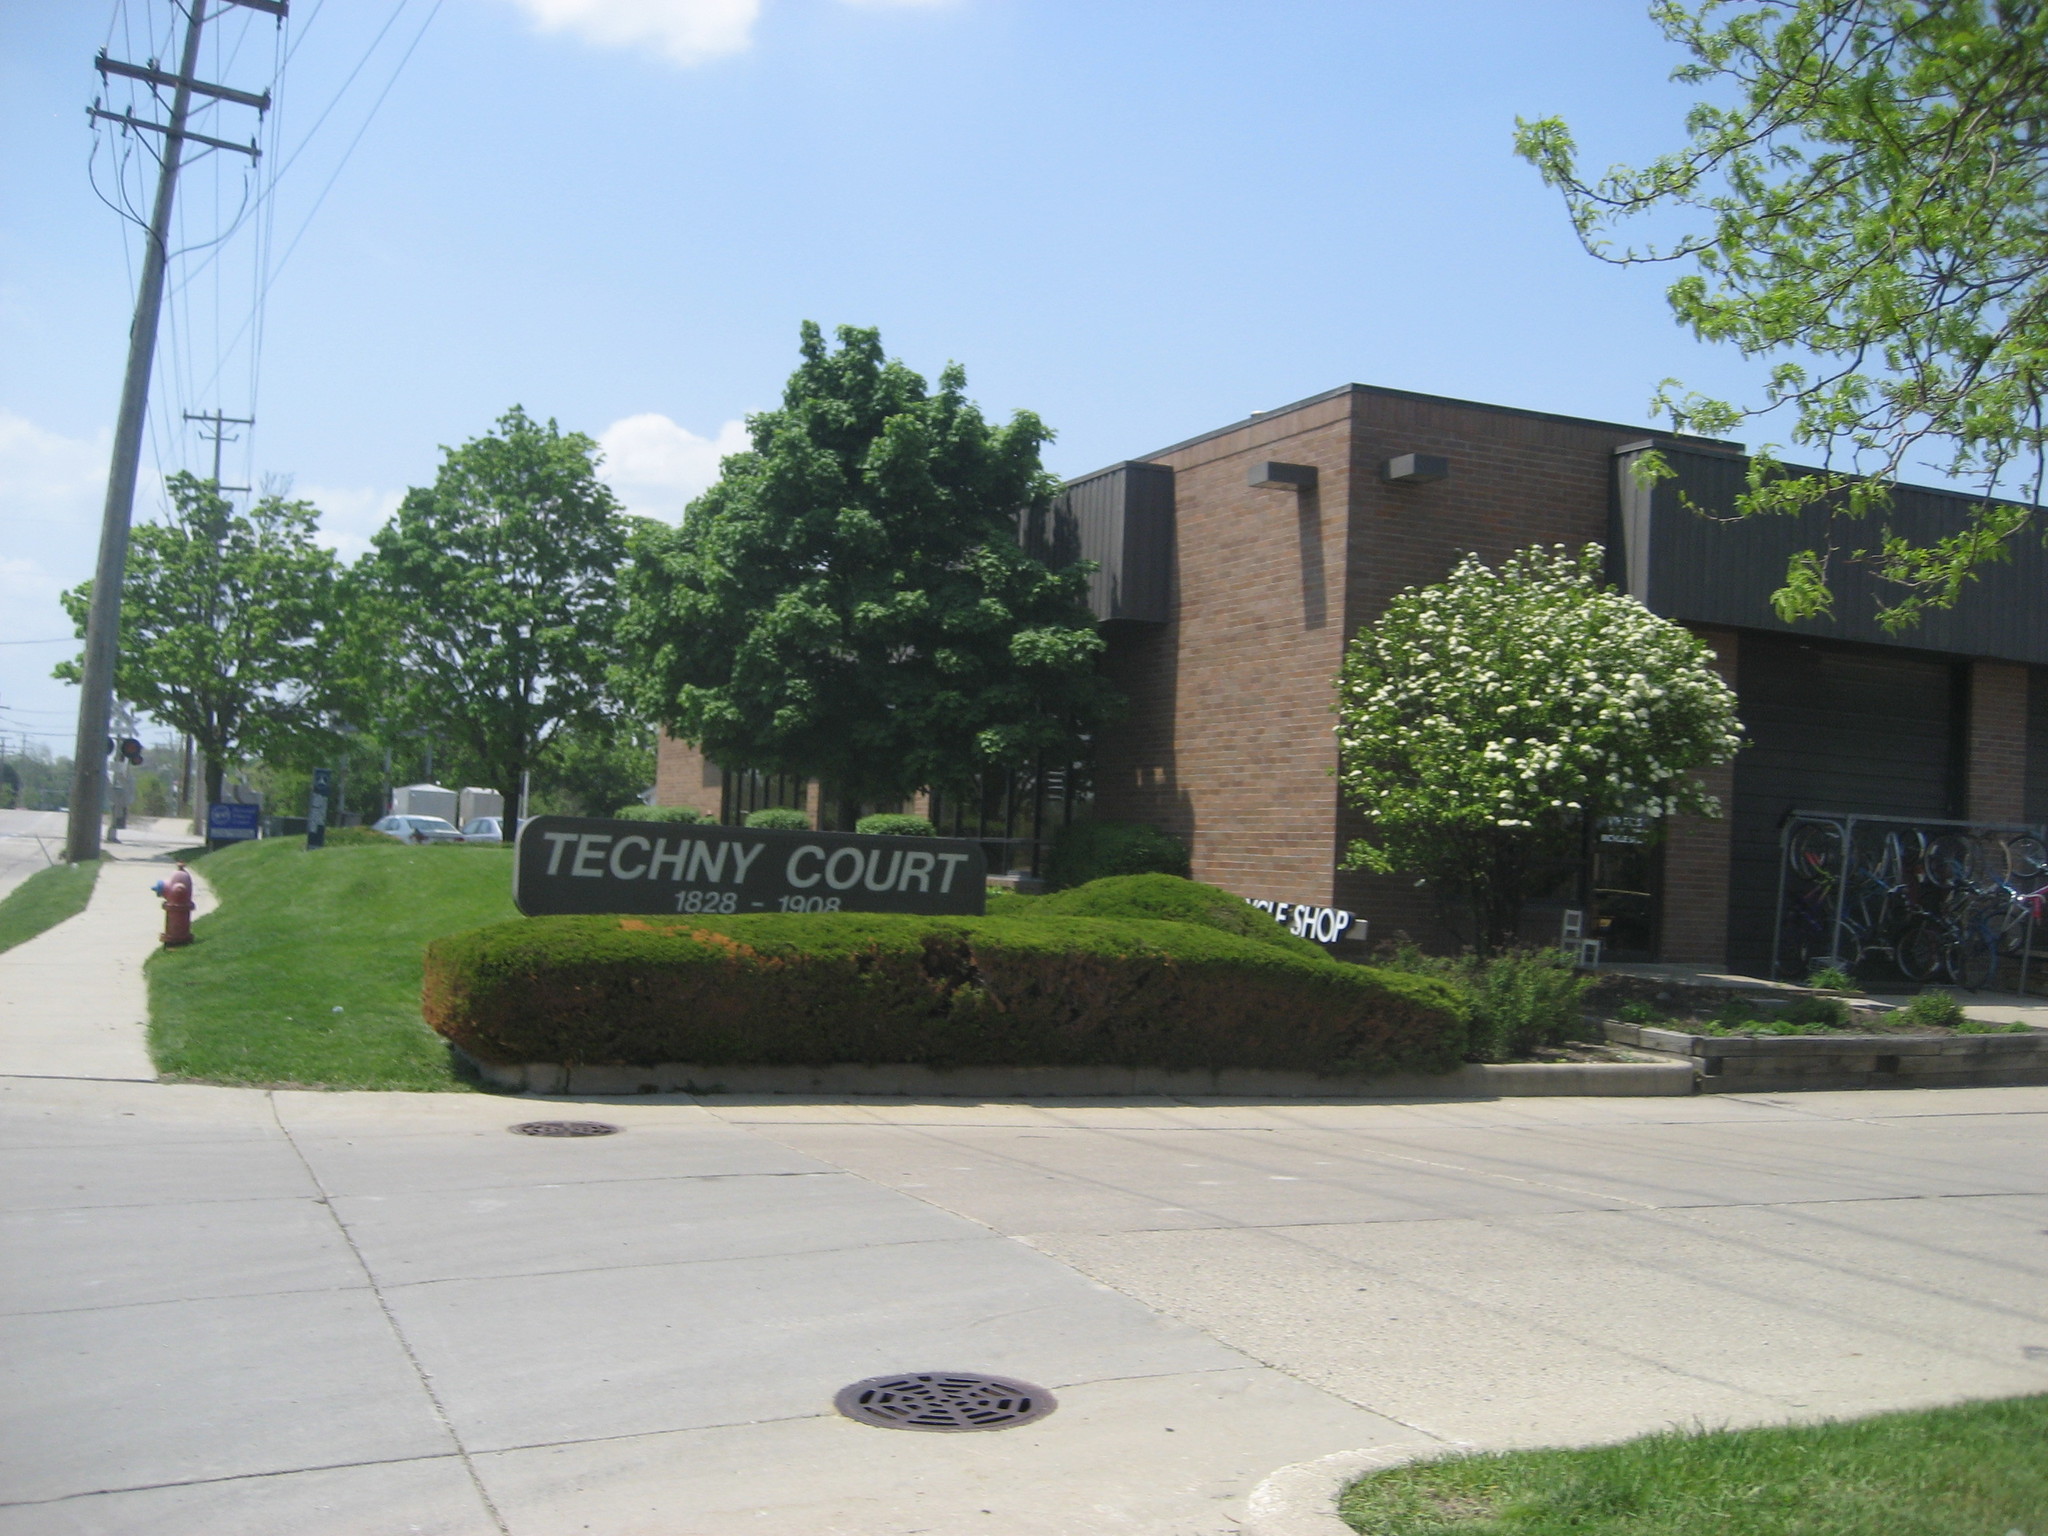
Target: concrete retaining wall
1514 1080
1745 1064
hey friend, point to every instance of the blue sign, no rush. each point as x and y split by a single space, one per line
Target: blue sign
227 823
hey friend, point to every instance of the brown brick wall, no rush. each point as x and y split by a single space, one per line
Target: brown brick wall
683 777
1228 744
1996 772
1696 851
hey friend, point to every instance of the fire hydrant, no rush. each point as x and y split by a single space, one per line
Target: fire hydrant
177 895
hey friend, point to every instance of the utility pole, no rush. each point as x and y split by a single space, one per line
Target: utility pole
218 436
103 618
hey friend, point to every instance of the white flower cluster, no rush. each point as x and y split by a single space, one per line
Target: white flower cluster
1514 697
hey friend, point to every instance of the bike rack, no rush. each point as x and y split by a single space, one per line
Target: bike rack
1848 822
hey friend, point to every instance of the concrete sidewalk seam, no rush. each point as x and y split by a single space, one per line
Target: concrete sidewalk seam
391 1321
232 1477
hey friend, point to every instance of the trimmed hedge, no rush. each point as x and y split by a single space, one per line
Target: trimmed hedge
1172 899
1093 850
819 989
892 824
779 818
683 815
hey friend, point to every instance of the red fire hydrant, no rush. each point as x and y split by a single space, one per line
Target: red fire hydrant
177 895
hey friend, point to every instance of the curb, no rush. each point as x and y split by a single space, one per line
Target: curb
1477 1081
1301 1500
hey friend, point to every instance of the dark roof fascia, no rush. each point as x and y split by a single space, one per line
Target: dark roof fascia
1689 445
1705 443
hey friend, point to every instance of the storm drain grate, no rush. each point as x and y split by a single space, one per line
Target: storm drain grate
943 1401
564 1128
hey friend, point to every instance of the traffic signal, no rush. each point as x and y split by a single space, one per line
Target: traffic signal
131 750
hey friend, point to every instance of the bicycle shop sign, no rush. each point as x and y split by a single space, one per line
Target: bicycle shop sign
1326 925
569 864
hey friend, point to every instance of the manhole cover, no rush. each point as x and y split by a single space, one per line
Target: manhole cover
565 1128
946 1401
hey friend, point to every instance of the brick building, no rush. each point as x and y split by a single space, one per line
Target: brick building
1233 567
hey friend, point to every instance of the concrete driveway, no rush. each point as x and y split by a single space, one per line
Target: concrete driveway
246 1312
233 1312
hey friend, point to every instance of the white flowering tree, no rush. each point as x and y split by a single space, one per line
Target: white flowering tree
1485 722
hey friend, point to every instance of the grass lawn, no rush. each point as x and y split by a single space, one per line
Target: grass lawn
1976 1470
44 900
308 974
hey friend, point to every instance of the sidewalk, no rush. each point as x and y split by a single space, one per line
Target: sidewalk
72 1000
239 1313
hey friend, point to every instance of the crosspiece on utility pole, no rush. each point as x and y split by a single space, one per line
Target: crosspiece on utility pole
103 617
218 436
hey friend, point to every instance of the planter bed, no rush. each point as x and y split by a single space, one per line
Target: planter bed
1923 1059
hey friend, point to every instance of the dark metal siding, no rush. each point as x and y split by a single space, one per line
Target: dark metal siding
1833 728
1122 519
2037 745
1707 571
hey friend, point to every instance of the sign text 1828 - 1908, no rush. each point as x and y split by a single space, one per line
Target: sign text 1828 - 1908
573 864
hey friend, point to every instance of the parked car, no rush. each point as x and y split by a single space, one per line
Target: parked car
419 829
483 829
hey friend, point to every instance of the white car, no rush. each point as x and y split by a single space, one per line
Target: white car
419 829
483 829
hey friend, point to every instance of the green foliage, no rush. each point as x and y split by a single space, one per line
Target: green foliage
678 815
1874 207
1935 1472
1829 1012
44 900
587 768
1969 1026
1481 720
151 797
945 992
885 825
778 818
850 601
1172 899
1832 979
1933 1010
227 618
1518 1000
308 973
484 616
1639 1012
1094 850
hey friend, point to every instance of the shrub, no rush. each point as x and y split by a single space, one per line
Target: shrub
1935 1009
1093 850
683 815
938 991
1641 1013
779 818
887 824
1832 978
1828 1012
1518 1000
1172 899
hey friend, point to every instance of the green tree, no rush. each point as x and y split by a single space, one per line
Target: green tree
485 612
1870 183
227 620
1484 721
592 772
850 601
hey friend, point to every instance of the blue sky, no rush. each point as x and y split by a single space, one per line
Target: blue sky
1140 218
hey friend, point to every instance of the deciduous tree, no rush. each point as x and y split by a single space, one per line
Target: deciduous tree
1867 182
492 595
1485 721
227 619
850 601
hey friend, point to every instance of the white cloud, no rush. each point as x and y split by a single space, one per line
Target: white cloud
47 477
349 515
657 467
687 31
